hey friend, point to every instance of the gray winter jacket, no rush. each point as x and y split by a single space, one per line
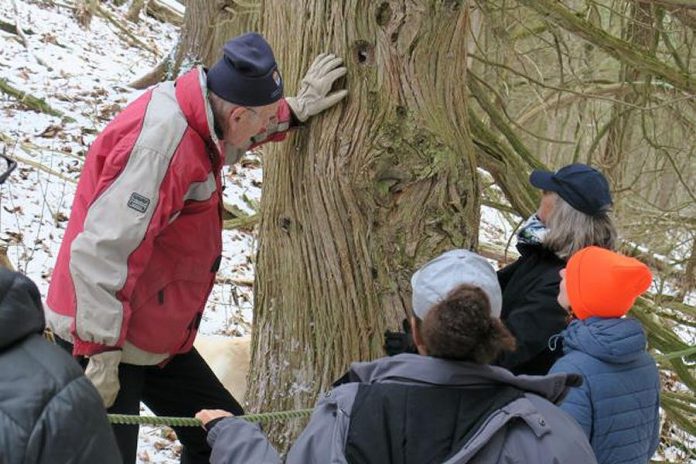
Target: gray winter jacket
530 429
49 411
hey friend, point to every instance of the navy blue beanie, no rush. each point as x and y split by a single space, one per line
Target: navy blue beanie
247 73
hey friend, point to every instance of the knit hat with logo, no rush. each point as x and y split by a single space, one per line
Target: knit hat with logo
247 73
602 283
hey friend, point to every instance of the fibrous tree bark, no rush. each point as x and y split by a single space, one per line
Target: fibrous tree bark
365 193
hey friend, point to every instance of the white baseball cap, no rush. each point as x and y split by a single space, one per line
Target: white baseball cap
437 278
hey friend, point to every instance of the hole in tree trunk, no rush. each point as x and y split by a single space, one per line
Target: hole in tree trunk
285 223
364 53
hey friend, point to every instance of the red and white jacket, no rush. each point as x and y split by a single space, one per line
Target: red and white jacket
144 240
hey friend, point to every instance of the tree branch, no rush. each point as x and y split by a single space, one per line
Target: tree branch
554 12
37 104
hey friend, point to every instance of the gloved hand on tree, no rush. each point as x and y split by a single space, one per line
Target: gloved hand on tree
314 97
102 371
399 342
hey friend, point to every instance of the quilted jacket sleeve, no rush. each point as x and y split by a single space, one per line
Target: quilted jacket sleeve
73 428
578 402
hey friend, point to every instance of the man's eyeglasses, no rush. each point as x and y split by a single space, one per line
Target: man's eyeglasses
7 165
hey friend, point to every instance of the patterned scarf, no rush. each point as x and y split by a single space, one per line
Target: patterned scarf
532 232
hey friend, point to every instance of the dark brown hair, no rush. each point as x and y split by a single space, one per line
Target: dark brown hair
461 327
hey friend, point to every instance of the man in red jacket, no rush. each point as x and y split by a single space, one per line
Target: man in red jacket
139 256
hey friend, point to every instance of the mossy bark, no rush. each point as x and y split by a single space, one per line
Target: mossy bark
365 193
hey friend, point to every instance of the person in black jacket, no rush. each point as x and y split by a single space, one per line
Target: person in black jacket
49 411
573 214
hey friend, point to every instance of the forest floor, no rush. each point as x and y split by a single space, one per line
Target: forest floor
83 73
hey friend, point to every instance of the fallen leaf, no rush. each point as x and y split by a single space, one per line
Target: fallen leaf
51 131
60 217
16 209
16 237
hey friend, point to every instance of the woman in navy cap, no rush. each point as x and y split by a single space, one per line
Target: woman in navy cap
573 214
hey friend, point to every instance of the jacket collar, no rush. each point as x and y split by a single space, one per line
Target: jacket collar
614 340
426 370
21 311
192 96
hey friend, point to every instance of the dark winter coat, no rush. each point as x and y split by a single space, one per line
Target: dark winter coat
530 309
49 411
520 424
618 404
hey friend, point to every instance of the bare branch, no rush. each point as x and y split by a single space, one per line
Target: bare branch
623 51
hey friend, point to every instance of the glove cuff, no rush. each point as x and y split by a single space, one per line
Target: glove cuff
297 108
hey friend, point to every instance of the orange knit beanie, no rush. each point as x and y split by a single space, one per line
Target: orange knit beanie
602 283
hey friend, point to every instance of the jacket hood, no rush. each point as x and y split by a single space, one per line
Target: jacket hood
413 368
21 311
611 340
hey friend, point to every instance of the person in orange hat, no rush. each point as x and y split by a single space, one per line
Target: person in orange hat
618 403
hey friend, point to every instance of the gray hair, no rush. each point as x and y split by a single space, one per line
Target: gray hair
220 107
570 230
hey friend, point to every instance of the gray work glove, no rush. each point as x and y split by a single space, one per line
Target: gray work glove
314 97
102 370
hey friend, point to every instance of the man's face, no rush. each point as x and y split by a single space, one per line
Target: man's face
244 122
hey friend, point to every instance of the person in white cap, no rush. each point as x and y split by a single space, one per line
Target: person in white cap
445 404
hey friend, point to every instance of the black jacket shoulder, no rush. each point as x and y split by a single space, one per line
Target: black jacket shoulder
530 309
49 411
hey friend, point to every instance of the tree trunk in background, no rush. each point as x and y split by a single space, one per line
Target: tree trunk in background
208 24
84 12
613 160
688 282
363 195
134 10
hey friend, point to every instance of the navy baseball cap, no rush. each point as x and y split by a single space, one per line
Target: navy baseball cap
582 187
247 73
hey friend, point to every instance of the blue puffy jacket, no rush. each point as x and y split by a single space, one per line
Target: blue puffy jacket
618 404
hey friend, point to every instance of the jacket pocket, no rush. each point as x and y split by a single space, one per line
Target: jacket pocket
167 308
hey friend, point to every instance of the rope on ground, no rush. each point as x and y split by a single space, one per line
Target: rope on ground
193 422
